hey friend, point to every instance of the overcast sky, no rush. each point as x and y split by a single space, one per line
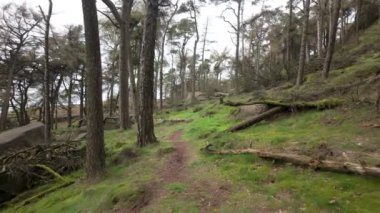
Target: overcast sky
68 12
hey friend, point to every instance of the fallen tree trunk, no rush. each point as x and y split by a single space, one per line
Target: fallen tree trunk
256 119
174 121
298 105
282 106
306 161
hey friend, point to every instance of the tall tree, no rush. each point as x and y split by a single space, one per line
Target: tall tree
165 31
289 40
357 18
123 20
301 64
237 30
17 22
193 13
146 125
332 38
48 126
95 154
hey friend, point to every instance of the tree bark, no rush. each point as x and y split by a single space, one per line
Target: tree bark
47 79
69 102
203 57
193 69
332 38
301 65
289 40
81 94
357 19
146 127
237 50
124 65
95 153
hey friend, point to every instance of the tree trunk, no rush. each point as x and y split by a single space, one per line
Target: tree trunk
357 19
237 50
69 102
111 104
47 79
306 161
124 65
194 73
249 122
289 40
8 92
332 39
146 127
81 95
301 65
163 53
203 57
95 154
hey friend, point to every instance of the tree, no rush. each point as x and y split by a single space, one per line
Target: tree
17 23
123 20
332 38
289 40
95 154
193 9
182 31
146 126
47 130
165 31
237 30
301 65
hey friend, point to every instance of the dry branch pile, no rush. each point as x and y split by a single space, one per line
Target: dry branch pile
23 169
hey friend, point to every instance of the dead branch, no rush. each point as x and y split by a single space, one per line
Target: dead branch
305 161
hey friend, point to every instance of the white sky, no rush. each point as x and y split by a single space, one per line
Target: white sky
68 12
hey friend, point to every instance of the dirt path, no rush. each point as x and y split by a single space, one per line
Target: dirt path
208 194
174 169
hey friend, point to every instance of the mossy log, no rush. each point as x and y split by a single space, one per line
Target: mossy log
298 105
256 119
282 106
44 193
305 161
174 121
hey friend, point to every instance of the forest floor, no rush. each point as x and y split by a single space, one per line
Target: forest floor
176 176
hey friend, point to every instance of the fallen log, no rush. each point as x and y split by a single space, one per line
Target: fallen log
298 105
282 106
256 119
305 161
44 193
174 121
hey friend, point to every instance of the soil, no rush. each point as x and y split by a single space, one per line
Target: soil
208 194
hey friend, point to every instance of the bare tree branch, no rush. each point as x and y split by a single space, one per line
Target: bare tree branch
113 9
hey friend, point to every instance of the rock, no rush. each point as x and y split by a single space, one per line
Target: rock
21 137
251 110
